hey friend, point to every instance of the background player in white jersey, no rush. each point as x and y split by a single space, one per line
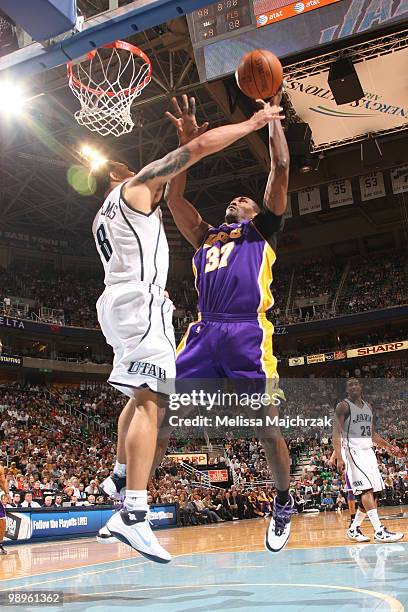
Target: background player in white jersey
135 316
353 445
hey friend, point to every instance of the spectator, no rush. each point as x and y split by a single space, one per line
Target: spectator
28 502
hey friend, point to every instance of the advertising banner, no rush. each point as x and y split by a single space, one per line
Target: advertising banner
384 106
81 521
316 358
270 11
199 458
218 475
296 361
10 360
163 515
74 522
26 325
378 349
18 525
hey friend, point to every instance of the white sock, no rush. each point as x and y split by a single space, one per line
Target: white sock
136 500
374 518
358 519
120 469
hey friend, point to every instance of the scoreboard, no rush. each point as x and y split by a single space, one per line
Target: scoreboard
225 30
219 19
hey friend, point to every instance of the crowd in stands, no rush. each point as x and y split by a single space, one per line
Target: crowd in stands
371 283
58 446
44 438
376 282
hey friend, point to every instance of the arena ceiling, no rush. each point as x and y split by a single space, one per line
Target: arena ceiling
38 151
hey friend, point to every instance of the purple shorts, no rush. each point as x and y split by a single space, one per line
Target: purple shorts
2 511
227 346
350 494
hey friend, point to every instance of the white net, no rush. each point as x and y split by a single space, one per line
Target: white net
106 84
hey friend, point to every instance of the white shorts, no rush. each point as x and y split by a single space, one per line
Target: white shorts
136 320
362 470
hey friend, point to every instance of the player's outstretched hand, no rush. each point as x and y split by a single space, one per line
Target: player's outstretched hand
184 119
269 112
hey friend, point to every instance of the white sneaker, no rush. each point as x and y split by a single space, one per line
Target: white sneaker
357 535
278 531
133 528
383 535
104 536
114 486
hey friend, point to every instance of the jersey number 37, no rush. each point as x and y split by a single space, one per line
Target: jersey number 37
218 257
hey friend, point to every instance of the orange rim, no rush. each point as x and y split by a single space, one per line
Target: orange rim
118 44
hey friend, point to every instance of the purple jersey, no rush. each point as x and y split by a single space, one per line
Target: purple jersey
233 270
233 337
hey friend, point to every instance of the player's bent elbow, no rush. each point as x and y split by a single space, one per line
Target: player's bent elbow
282 165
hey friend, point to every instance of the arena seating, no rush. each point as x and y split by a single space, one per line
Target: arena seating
370 283
60 441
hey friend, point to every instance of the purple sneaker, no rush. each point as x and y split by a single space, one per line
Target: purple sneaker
278 531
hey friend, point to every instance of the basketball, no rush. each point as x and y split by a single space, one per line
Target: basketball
259 74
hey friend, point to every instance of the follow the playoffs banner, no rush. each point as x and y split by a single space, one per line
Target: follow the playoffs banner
384 106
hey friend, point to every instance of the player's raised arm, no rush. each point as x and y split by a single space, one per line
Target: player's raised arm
187 218
275 198
157 173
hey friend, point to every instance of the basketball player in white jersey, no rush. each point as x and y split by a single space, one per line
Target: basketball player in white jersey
136 317
353 445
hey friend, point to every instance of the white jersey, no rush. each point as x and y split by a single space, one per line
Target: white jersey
357 431
132 245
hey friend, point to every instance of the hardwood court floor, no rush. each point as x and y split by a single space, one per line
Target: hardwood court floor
223 566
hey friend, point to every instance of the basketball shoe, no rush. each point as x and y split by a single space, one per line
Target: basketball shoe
278 531
104 536
383 535
114 486
133 528
357 535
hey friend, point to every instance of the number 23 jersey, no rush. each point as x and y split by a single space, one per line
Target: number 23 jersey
233 267
357 431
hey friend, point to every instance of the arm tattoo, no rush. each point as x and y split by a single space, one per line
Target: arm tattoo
170 164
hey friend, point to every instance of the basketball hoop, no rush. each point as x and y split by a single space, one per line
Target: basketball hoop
106 82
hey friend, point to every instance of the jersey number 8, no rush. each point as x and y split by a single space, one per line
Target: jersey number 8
103 242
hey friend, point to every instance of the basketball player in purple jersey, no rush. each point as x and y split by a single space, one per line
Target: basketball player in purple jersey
232 337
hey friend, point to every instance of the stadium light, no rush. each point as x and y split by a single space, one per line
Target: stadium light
94 158
11 98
